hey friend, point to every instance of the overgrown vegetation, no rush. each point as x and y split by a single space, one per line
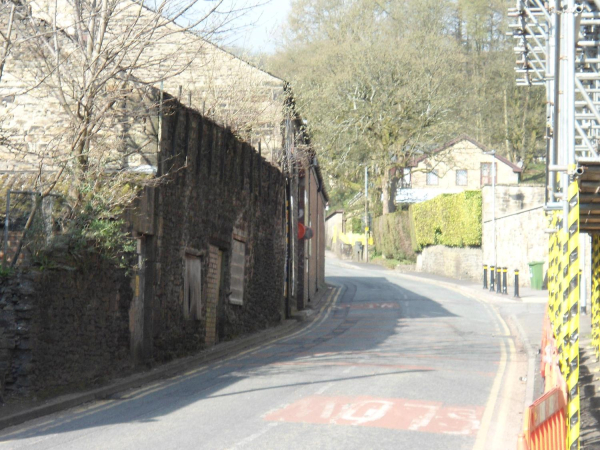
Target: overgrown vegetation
453 220
393 237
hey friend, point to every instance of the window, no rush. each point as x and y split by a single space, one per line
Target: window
461 177
238 266
432 178
486 173
406 178
192 298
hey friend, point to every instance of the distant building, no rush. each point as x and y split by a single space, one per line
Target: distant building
459 165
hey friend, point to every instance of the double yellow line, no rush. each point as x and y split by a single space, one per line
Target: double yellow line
103 405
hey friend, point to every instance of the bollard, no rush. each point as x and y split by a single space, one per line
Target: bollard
504 280
498 280
516 283
492 277
485 276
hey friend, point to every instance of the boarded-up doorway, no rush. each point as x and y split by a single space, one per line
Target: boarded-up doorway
215 263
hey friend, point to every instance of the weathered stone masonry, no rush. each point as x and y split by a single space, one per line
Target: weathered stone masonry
218 187
63 328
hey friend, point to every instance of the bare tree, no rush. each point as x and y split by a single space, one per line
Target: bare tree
83 69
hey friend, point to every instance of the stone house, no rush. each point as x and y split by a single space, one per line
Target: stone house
256 105
202 75
459 165
334 223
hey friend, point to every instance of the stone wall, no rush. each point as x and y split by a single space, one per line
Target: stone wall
457 263
66 325
63 327
218 189
520 223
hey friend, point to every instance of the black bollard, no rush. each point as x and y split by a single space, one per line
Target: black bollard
504 280
498 280
516 283
485 276
492 277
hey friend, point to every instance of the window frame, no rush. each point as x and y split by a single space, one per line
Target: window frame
488 177
235 259
466 175
437 178
192 287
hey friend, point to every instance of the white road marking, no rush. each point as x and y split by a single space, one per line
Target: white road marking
254 436
422 420
324 388
376 410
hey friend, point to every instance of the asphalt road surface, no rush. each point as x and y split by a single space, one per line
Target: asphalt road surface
391 362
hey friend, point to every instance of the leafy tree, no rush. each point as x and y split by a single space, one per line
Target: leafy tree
381 82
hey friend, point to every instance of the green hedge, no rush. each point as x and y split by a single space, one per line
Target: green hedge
392 236
357 225
453 220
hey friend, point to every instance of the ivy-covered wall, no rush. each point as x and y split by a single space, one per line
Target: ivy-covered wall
393 237
453 220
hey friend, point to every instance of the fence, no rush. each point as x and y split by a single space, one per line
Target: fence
18 208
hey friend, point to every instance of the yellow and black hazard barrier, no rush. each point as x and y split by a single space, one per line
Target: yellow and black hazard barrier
595 301
560 342
571 373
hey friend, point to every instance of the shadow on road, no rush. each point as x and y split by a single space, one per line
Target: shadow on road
368 312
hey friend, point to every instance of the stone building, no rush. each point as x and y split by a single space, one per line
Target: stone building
202 75
254 104
459 165
213 263
211 241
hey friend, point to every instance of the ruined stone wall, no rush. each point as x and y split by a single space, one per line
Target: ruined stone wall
219 190
67 325
63 327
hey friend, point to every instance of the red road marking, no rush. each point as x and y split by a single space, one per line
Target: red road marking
392 413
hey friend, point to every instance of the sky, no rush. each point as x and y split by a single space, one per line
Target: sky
259 29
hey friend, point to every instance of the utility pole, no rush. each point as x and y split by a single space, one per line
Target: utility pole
493 172
366 214
494 204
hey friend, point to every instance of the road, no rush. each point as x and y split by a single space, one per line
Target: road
391 362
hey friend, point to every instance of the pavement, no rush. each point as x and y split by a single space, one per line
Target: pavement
589 387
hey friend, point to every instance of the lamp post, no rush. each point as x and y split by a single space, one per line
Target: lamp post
493 171
366 214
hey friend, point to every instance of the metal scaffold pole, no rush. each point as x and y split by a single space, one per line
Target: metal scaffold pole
558 47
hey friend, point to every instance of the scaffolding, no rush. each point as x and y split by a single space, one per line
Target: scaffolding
557 43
